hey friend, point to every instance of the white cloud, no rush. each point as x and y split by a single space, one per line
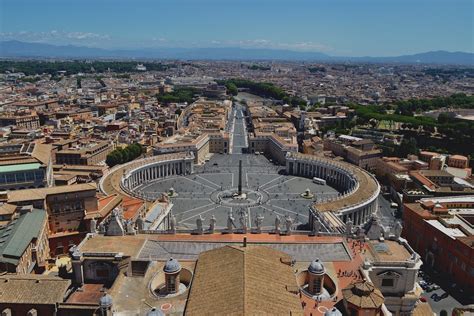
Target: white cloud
299 46
55 37
105 41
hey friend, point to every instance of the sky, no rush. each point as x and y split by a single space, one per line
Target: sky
334 27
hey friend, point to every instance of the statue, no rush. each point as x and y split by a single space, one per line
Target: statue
397 230
360 233
243 221
172 224
93 226
164 198
376 229
101 228
212 224
289 224
199 221
258 222
230 222
277 224
139 223
349 227
129 228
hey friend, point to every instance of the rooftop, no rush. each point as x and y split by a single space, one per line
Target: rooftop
388 251
243 280
20 167
41 193
15 237
32 289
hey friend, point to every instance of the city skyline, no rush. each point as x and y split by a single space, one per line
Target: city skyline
338 28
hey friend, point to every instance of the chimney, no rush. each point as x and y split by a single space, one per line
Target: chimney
245 241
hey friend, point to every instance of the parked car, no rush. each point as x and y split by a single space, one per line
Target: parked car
431 288
423 299
440 297
434 296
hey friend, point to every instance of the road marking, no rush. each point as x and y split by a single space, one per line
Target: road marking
286 210
280 183
196 208
200 183
270 181
201 213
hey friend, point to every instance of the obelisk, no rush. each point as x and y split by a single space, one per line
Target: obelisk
240 179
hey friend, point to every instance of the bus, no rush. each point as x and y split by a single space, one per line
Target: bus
319 181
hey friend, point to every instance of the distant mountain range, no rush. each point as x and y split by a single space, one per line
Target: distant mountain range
16 49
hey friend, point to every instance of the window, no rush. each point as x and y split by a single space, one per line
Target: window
387 282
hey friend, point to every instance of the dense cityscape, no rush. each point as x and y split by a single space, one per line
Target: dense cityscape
237 157
130 191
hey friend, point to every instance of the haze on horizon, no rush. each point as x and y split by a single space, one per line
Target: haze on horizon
337 27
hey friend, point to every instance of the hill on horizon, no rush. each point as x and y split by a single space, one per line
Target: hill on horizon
17 49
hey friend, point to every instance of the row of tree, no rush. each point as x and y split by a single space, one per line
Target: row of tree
178 95
73 67
123 155
263 89
412 106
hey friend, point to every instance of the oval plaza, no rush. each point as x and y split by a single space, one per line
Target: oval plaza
209 191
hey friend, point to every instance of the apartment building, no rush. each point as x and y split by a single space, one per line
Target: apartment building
87 154
25 165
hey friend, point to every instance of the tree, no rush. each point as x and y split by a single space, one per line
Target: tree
443 118
408 147
231 88
123 155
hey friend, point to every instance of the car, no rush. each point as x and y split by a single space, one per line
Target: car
215 164
443 296
432 287
423 299
434 296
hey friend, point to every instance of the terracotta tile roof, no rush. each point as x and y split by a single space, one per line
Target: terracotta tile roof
32 289
363 294
105 206
248 280
131 206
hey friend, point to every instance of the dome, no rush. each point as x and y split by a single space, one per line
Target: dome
316 267
154 312
333 312
172 266
105 301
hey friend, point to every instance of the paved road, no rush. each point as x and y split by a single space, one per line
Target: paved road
196 193
239 132
386 213
447 304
